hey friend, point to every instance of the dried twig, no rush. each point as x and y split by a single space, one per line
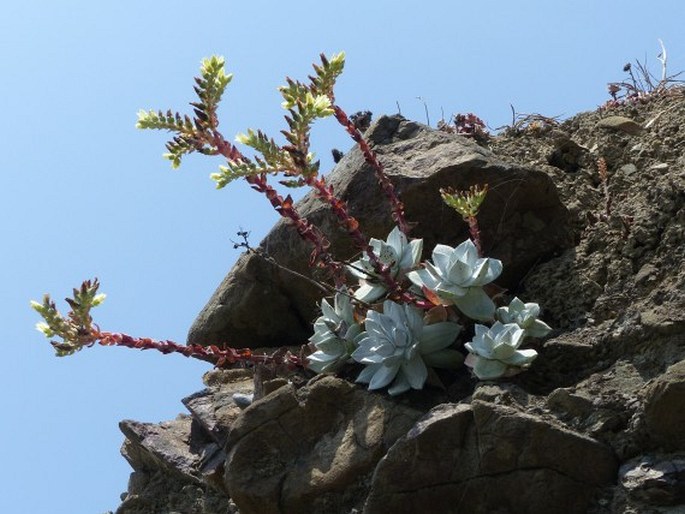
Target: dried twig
604 177
533 122
643 84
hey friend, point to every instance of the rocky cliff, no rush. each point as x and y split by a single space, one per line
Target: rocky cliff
594 426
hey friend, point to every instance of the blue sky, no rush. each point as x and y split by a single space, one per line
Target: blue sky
84 194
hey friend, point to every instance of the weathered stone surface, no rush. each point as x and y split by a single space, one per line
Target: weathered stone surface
522 222
311 450
665 408
485 458
214 407
174 464
148 445
620 123
655 480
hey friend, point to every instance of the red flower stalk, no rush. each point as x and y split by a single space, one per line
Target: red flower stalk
370 157
285 207
220 357
351 225
474 232
604 177
304 228
78 331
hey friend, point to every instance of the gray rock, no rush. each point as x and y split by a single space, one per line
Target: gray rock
628 169
165 445
655 481
243 400
176 469
573 405
522 222
620 123
214 408
311 450
664 412
486 458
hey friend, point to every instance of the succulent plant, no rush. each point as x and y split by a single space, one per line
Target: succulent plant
397 348
397 253
494 352
525 315
456 277
334 336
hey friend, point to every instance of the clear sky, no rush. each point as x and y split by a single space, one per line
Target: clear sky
84 194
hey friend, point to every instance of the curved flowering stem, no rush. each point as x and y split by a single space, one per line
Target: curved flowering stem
371 158
348 222
219 357
298 97
78 331
201 134
305 104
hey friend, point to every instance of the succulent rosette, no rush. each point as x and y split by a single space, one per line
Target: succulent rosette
525 315
456 277
494 352
335 332
397 253
397 348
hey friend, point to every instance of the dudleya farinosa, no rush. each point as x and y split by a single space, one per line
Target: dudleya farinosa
397 348
494 352
399 254
456 277
525 315
335 333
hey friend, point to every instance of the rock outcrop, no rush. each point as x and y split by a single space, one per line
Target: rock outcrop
595 425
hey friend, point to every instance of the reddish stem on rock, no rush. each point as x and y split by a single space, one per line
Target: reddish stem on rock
370 157
603 171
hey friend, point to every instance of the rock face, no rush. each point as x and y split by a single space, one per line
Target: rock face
179 464
172 461
595 425
475 458
522 222
334 431
655 481
664 413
